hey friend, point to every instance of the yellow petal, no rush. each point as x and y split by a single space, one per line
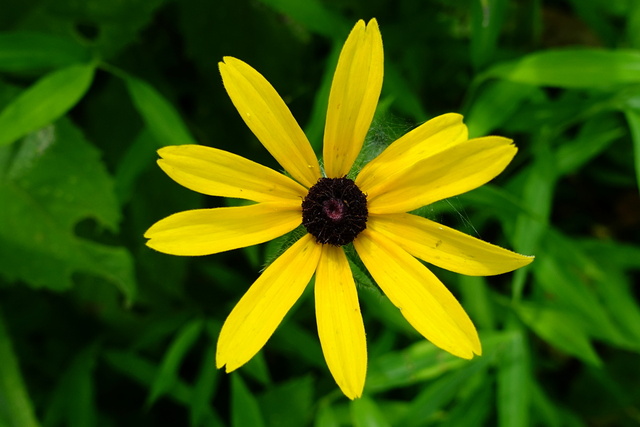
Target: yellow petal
340 326
445 247
428 139
220 173
353 98
422 299
456 170
209 231
259 312
269 118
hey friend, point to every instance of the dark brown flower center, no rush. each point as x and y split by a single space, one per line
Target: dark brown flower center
335 211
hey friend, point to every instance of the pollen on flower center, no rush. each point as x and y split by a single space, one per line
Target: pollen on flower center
335 211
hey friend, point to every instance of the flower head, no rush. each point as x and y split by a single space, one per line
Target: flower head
432 162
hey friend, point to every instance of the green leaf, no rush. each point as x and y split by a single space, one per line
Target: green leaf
144 372
73 400
16 409
567 275
314 16
595 136
45 101
326 417
496 102
205 385
245 410
136 159
473 411
54 181
159 115
436 395
288 404
168 372
417 363
25 51
543 407
513 382
572 68
487 18
365 413
561 329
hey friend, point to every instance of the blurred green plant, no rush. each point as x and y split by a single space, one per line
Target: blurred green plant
95 329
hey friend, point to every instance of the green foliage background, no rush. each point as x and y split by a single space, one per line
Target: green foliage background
97 329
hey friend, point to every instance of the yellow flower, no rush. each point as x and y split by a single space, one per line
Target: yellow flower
432 162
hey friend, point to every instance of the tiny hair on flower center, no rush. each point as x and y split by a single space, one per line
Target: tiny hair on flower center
335 211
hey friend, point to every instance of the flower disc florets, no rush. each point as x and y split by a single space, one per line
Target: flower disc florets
335 211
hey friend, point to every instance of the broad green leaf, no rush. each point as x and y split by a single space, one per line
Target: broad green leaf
170 366
288 404
25 51
159 115
572 68
365 413
45 101
16 409
560 328
55 180
514 379
73 401
245 410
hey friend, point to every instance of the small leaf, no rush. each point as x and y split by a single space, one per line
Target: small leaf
159 115
572 68
24 51
513 383
365 413
244 407
168 372
55 180
45 101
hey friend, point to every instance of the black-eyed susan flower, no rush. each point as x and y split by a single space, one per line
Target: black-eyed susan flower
432 162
